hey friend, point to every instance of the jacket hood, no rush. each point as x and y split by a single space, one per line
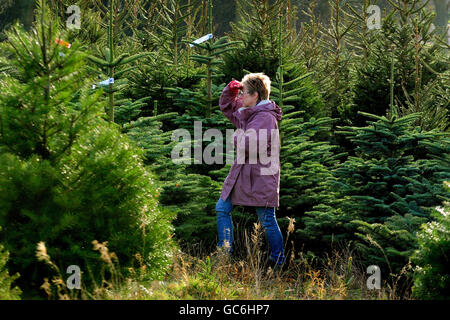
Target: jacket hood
270 106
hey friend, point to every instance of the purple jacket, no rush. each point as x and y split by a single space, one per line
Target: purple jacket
245 181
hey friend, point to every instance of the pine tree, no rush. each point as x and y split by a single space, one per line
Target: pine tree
198 194
327 54
431 259
384 193
257 28
175 15
109 61
325 48
157 145
169 65
292 84
201 101
307 158
310 38
419 68
261 17
92 30
68 177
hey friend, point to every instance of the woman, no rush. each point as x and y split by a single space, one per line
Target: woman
246 104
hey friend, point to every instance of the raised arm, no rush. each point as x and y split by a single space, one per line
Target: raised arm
229 103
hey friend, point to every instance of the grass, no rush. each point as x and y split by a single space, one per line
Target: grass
246 276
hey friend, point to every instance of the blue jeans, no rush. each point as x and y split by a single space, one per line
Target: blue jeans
266 216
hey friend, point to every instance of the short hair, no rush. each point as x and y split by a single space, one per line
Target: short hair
258 82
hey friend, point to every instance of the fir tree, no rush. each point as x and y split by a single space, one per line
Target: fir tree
431 259
184 192
110 61
201 101
384 193
92 30
257 28
169 65
174 15
67 176
292 83
326 51
419 61
327 54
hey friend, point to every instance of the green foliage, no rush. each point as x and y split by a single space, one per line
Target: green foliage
110 62
174 28
186 194
419 61
307 160
195 197
7 292
169 65
147 133
155 74
432 274
298 92
379 198
209 95
68 177
195 202
328 54
306 155
257 30
39 115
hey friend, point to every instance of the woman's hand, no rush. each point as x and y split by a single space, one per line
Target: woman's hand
235 86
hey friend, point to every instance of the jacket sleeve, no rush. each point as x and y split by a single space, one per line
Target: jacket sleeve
228 104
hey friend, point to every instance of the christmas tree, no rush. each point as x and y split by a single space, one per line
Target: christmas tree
67 176
379 198
431 274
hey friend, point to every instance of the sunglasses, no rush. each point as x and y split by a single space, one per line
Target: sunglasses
241 93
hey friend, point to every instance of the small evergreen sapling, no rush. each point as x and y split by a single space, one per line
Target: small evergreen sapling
67 176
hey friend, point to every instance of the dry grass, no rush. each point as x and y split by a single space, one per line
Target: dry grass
204 276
